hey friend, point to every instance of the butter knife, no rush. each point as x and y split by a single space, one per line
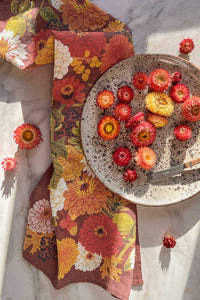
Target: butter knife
156 176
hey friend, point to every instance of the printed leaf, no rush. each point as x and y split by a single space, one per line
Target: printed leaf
58 149
32 238
48 14
20 6
58 170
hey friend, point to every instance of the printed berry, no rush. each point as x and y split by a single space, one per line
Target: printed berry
156 120
159 80
140 81
122 156
143 134
191 109
186 46
125 94
122 112
134 119
169 241
176 77
108 128
105 99
183 132
130 175
145 158
179 93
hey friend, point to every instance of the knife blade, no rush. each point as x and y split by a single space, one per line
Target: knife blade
156 176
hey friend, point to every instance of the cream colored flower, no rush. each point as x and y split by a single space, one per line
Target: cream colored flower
86 168
62 60
12 49
87 261
56 197
56 4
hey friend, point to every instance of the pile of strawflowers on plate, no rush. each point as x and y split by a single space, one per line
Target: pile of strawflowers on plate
163 90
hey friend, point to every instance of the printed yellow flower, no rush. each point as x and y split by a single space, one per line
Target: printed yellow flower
95 62
62 60
85 195
109 268
67 256
114 26
12 49
72 165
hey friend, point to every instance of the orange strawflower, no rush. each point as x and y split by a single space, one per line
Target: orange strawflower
108 128
145 158
27 136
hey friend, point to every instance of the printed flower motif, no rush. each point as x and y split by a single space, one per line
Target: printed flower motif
100 235
72 165
40 217
87 261
131 259
62 60
82 15
56 4
67 223
56 197
8 163
27 136
116 50
43 48
85 195
67 256
68 91
83 44
12 49
114 26
87 168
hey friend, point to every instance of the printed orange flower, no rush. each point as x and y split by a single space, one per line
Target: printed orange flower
68 91
85 195
108 128
114 26
82 15
43 46
100 235
67 256
85 43
117 49
27 136
8 163
72 165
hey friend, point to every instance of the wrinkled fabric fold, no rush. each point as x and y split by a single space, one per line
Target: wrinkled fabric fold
77 229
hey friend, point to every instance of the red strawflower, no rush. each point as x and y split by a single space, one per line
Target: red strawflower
143 134
99 234
8 163
125 94
169 241
186 46
191 109
179 93
105 99
145 158
134 119
183 132
122 156
27 136
130 175
176 77
140 81
122 112
159 80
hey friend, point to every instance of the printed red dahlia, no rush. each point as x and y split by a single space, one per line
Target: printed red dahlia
125 94
122 156
130 175
8 163
134 119
143 134
122 112
179 93
183 132
186 46
169 241
27 136
140 81
176 77
159 80
105 99
191 109
145 158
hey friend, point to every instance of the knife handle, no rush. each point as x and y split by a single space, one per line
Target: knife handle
192 163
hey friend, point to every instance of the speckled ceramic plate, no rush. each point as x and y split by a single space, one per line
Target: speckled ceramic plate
169 151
